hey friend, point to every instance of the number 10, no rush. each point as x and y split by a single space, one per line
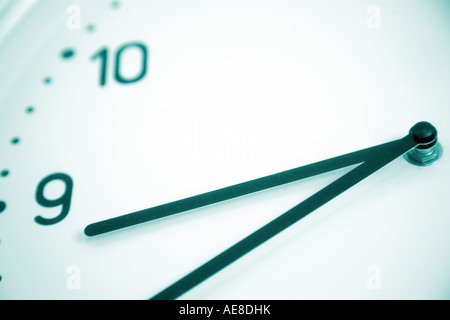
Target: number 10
103 55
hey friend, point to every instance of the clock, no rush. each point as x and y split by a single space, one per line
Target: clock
110 108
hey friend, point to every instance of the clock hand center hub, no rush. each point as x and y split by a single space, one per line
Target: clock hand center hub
429 150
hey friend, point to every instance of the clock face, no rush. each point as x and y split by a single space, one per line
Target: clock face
111 107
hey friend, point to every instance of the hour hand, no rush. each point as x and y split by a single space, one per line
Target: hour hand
270 181
224 194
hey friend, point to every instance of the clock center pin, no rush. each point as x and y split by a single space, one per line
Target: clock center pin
429 150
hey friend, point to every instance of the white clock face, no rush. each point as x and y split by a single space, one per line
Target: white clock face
110 107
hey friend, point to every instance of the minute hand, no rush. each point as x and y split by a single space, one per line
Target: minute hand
384 154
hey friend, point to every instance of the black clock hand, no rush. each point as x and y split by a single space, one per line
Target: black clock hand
227 193
422 135
231 192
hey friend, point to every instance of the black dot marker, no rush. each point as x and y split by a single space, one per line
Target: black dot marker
2 206
47 80
4 173
90 28
67 54
115 4
15 140
29 109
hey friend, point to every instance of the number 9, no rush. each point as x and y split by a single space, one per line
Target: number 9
63 201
